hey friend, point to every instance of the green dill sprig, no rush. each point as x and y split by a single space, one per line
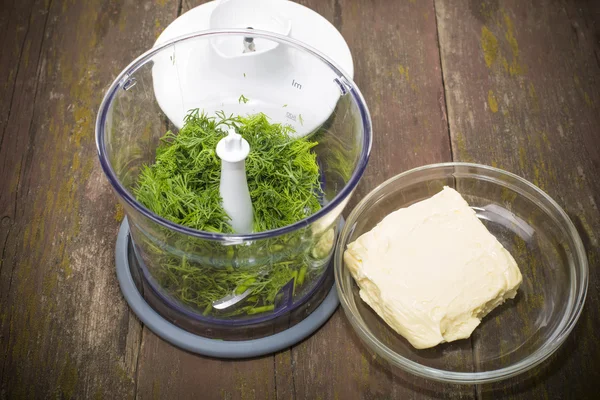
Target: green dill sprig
182 185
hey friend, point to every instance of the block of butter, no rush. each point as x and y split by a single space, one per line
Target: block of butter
432 271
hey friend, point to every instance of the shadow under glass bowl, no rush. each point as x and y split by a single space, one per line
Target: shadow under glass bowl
519 334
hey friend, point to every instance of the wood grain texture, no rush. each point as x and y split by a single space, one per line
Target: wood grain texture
523 94
66 332
522 89
396 59
15 25
169 373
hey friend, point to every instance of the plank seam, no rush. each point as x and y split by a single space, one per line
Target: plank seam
444 106
9 284
337 14
4 248
275 374
179 7
293 365
12 95
137 361
572 18
29 152
10 317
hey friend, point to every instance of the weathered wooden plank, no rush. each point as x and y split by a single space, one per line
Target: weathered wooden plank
285 385
15 67
68 331
522 89
14 22
19 66
394 46
169 373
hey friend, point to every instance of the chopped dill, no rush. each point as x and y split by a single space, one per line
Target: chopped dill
182 185
243 99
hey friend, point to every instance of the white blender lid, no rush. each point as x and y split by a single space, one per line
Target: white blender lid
220 74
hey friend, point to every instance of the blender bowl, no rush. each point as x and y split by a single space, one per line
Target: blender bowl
231 286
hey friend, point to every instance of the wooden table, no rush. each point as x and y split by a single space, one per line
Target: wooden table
514 84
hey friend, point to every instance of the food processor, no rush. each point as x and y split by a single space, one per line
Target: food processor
267 289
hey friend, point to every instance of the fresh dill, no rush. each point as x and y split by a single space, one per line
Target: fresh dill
182 185
243 99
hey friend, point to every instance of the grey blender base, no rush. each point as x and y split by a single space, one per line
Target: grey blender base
213 347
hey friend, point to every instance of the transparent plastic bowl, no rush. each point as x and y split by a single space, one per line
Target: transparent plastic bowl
517 335
178 266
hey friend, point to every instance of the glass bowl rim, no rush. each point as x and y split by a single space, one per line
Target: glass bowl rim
538 356
123 78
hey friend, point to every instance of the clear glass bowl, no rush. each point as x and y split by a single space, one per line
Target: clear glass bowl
517 335
283 272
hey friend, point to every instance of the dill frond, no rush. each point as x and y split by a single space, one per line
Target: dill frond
182 185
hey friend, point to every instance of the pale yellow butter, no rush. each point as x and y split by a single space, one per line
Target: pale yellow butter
432 271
